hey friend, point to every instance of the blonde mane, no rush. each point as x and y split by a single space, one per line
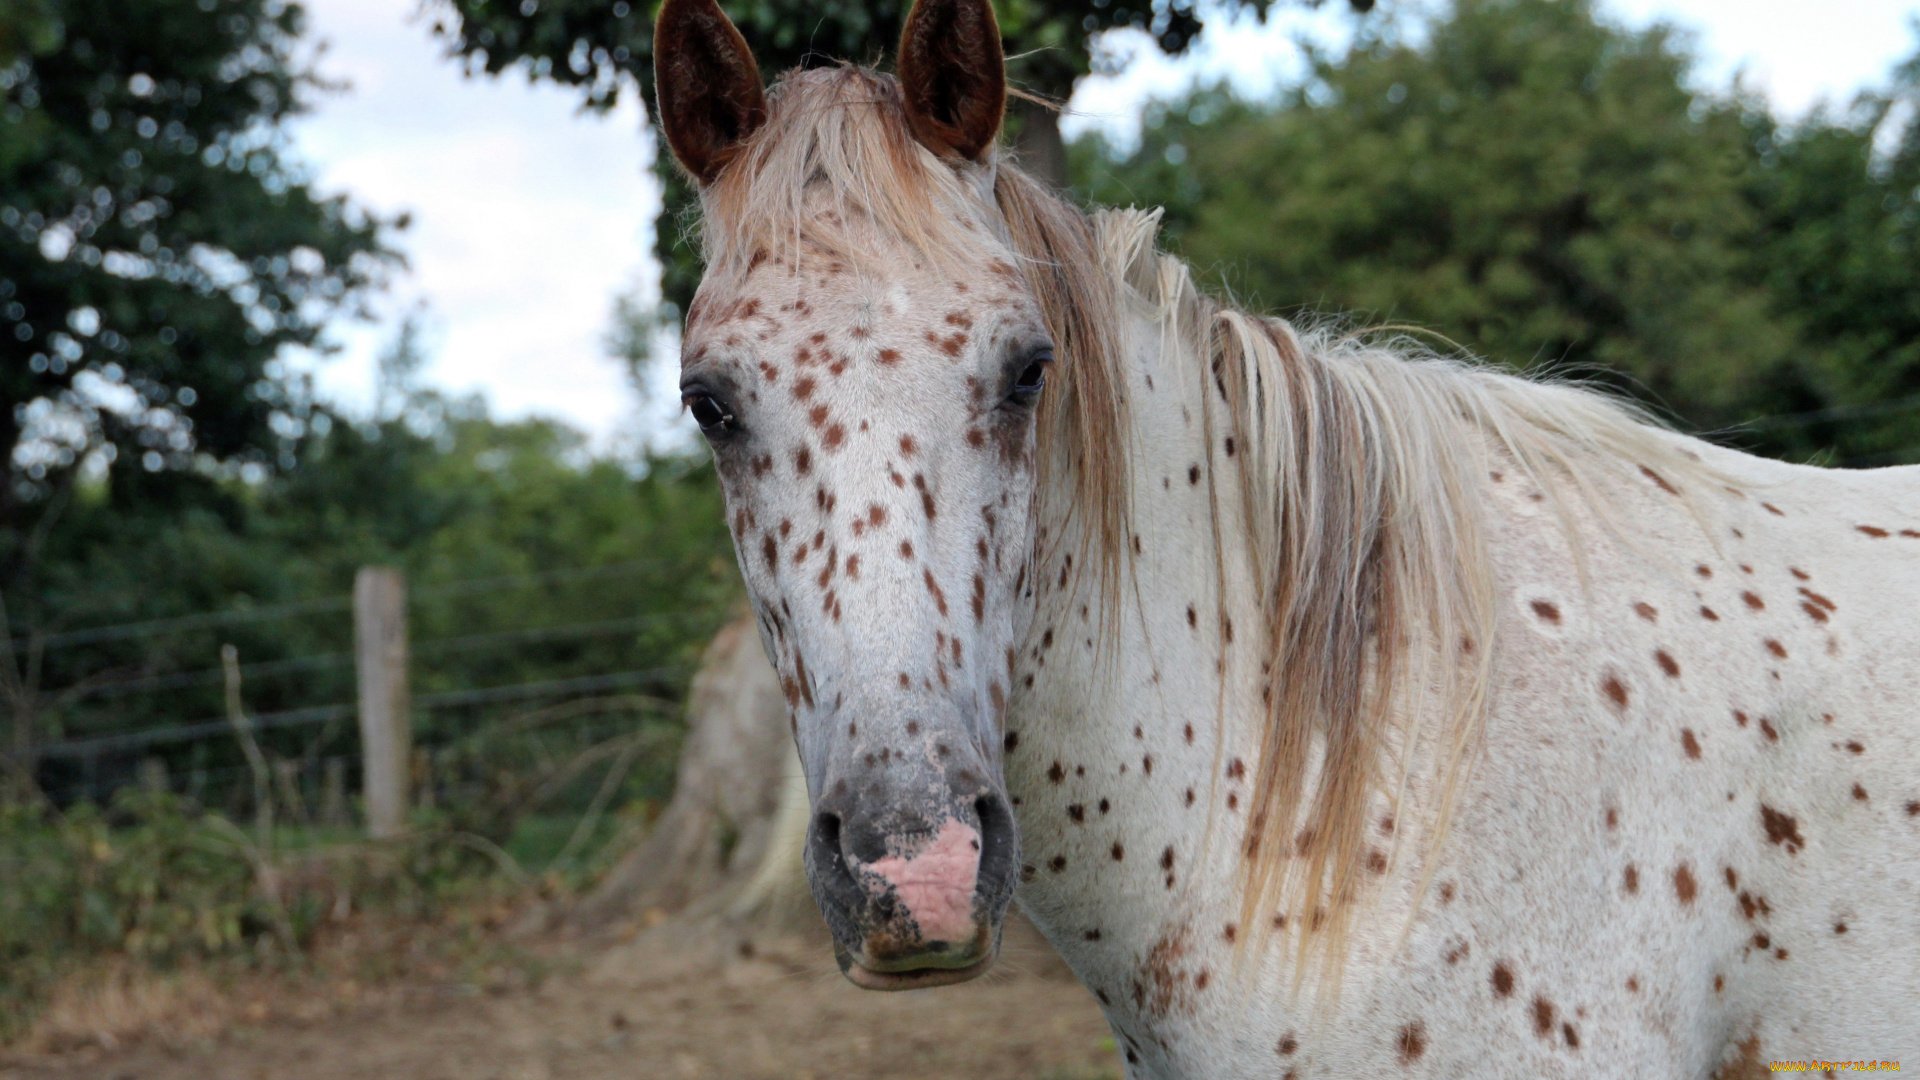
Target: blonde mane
1363 463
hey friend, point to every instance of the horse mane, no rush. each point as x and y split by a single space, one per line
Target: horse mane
1363 463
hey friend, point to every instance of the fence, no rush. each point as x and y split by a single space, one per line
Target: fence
257 705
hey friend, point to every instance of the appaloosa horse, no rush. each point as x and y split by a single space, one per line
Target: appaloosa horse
1335 709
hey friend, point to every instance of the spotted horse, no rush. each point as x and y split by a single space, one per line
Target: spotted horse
1336 709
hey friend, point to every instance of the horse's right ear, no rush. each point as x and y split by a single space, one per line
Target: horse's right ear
707 85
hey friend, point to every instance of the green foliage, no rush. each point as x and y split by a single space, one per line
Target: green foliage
157 247
160 881
1543 189
528 560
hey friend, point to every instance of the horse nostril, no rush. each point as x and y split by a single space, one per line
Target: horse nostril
999 849
831 872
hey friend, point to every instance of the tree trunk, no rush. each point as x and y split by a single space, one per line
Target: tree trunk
730 840
1037 145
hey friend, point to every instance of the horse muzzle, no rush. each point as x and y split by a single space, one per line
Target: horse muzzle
913 887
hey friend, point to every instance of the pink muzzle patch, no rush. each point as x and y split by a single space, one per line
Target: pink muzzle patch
936 883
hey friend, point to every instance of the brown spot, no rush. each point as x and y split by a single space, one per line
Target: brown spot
1781 829
1572 1036
1056 773
1543 1017
1813 611
1166 858
1855 748
1661 480
1413 1042
1859 793
1913 809
1613 818
802 460
1707 613
1772 509
1119 851
1647 611
1377 861
1633 985
1818 599
1236 769
1766 728
1740 718
1839 928
1502 980
1057 863
1733 879
1288 1045
1615 690
1874 531
1689 743
1631 879
1776 648
1446 892
939 598
1667 663
1547 611
1719 983
1754 601
1683 884
1012 740
1703 570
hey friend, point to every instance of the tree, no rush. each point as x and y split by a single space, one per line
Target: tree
158 249
1534 184
1839 225
1543 188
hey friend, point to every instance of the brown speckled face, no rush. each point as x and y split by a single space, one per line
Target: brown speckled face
873 426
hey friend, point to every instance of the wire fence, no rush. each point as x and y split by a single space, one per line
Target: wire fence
139 702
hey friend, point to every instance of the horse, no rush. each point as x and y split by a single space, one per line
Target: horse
1334 707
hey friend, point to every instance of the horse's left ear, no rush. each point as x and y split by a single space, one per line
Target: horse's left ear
953 74
707 84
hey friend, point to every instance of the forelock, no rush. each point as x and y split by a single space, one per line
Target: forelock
836 171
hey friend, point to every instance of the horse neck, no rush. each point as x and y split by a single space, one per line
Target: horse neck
1130 774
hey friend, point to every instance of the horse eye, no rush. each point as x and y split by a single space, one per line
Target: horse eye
715 419
1033 377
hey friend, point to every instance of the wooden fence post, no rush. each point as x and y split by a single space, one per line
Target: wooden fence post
386 727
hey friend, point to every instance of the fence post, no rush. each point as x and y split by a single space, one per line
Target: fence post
386 729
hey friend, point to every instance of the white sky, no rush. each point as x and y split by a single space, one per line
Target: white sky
529 217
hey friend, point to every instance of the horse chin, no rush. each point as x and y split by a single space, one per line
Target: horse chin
916 979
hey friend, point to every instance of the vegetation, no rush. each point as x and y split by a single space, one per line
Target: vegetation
157 249
1543 188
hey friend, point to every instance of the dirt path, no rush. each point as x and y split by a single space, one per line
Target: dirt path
667 1006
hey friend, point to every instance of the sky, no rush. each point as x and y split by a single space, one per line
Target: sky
530 217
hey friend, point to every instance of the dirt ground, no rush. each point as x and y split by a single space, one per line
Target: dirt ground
674 1003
